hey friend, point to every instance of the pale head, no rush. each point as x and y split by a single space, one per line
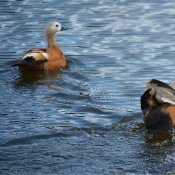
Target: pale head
52 28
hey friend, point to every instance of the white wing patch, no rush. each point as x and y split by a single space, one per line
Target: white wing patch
34 55
29 55
163 95
166 100
45 55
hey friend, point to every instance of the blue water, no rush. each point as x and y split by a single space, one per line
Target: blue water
86 118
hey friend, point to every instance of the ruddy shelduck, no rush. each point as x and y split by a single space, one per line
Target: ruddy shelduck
158 105
49 58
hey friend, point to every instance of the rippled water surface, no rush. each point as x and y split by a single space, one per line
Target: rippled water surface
84 119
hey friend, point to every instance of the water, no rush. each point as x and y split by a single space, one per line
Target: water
84 119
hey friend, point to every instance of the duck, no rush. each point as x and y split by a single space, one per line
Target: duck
49 58
158 105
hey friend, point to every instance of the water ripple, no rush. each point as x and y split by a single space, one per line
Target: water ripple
113 48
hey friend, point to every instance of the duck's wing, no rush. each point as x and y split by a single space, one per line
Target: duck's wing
173 85
161 91
35 57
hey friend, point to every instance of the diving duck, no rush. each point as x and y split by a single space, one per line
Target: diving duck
49 58
158 105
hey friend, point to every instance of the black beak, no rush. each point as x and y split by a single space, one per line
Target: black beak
63 28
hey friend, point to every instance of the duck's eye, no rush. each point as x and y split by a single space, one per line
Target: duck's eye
57 25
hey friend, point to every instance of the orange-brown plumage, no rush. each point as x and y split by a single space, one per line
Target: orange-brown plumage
171 112
49 58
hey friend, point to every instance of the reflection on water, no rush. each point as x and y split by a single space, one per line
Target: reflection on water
30 76
81 120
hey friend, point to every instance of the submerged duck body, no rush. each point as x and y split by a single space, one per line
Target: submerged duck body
49 58
158 105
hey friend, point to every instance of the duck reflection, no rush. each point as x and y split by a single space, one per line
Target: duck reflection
29 77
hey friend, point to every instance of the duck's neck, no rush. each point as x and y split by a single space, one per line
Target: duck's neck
51 41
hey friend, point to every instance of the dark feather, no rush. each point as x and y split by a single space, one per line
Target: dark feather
30 61
158 119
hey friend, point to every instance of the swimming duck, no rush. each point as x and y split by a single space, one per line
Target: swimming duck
49 58
158 105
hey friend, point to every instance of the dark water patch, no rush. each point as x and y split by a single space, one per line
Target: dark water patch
100 144
92 109
69 96
31 139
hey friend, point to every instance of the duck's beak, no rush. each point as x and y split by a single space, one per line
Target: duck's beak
63 28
